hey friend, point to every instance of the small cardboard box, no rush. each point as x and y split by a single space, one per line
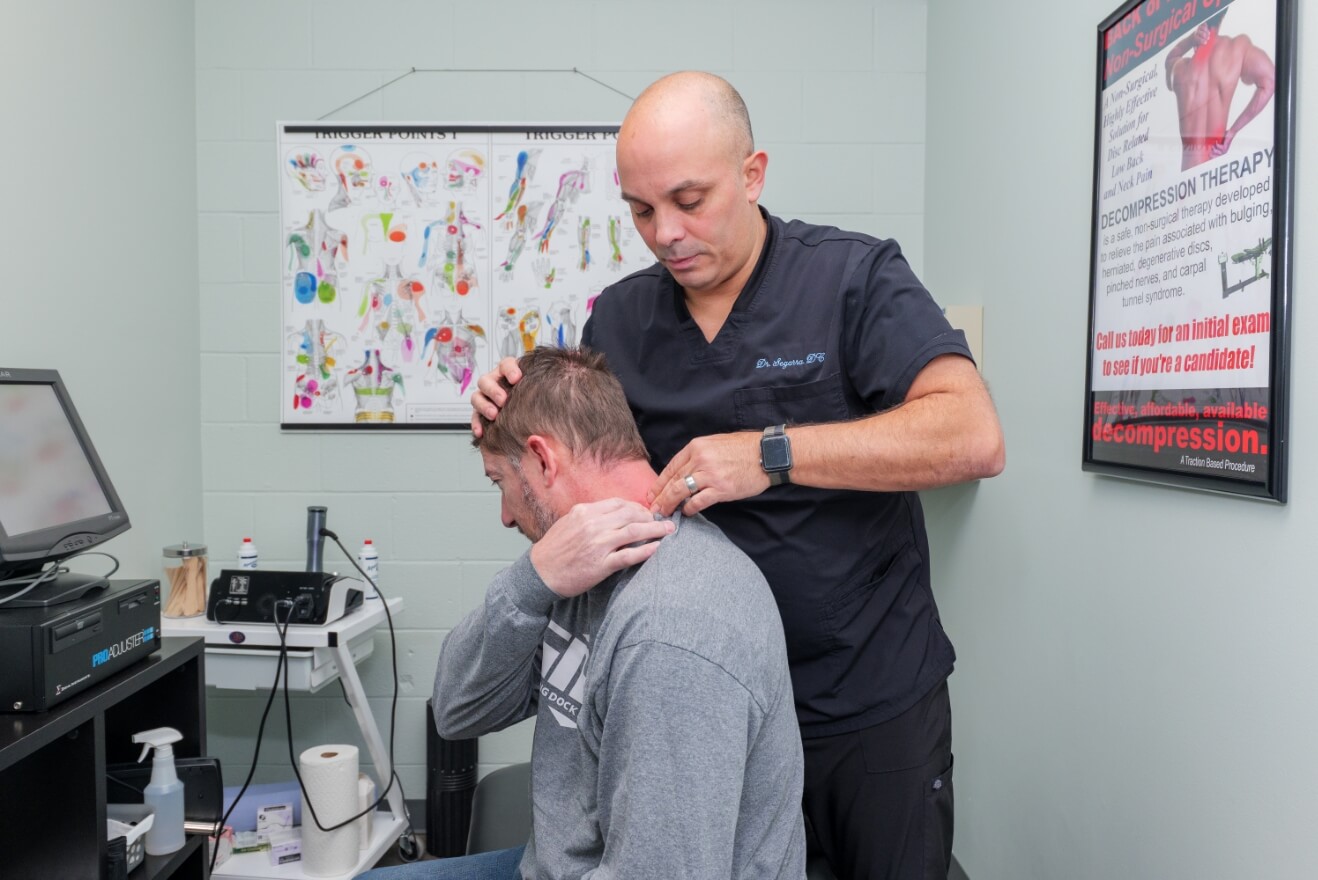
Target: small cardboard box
285 847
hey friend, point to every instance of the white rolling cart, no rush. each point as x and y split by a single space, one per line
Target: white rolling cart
242 656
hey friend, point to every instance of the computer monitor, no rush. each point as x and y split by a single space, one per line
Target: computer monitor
56 499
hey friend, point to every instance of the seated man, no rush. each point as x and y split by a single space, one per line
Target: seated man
666 743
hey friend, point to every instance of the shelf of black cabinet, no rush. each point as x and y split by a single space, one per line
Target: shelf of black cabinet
52 768
160 867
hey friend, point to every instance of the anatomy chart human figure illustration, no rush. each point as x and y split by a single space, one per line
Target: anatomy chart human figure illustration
526 215
545 272
456 271
519 330
299 260
450 350
315 252
352 170
464 171
583 244
615 246
571 185
390 305
562 325
510 214
509 340
307 168
316 351
385 189
375 386
385 235
421 174
410 291
529 329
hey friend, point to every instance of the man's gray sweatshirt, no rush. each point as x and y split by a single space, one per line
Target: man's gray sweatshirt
666 743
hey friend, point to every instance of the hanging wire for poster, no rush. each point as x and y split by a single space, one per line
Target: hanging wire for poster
572 70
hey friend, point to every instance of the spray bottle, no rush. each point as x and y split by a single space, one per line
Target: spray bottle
164 793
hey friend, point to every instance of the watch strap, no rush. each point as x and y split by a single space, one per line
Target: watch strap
777 477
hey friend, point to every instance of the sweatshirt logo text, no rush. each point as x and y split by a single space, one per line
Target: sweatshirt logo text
563 673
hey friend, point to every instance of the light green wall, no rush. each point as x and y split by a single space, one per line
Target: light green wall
1132 696
1134 693
98 241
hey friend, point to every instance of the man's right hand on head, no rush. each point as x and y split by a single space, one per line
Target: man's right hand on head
490 396
594 540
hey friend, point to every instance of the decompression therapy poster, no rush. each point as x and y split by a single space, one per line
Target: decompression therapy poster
1182 292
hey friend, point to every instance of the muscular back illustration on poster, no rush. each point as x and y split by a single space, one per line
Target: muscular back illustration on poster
1189 291
415 257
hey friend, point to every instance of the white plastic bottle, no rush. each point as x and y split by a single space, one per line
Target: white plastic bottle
369 559
247 554
164 793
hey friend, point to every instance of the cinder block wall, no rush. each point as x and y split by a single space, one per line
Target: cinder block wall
836 92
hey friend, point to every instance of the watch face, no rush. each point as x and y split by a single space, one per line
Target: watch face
776 453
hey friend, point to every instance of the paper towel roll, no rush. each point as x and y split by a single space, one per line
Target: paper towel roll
365 798
329 774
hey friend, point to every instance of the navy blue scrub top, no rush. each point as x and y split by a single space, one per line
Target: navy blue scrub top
832 325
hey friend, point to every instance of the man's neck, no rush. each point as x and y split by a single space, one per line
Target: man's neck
710 308
1205 49
628 480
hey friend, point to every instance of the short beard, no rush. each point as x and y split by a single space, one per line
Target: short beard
543 516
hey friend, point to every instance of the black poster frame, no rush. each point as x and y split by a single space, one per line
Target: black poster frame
1222 439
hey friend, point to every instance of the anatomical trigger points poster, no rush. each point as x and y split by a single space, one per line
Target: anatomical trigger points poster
1188 293
415 257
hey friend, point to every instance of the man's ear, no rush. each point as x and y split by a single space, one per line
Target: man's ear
752 171
545 457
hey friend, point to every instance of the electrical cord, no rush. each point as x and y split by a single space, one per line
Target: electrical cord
408 849
260 733
292 759
281 669
31 582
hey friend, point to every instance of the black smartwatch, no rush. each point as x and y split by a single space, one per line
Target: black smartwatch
776 454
